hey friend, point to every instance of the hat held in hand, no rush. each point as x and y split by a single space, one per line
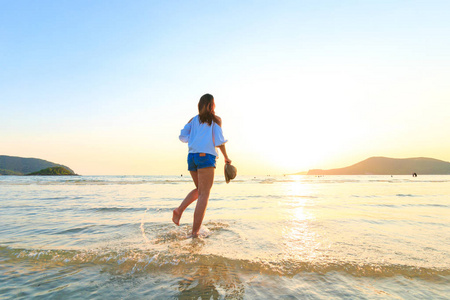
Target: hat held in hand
230 172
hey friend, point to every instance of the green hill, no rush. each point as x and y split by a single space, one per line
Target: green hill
13 165
391 166
53 171
9 172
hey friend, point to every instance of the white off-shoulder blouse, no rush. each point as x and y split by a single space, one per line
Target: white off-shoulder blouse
201 137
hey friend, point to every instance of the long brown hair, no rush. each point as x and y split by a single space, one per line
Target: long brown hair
206 112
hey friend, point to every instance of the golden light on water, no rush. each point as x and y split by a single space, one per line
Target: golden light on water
299 194
299 238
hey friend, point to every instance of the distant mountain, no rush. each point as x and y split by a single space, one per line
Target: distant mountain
300 173
391 166
53 171
13 165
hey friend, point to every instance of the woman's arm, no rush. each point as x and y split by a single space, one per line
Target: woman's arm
224 152
185 132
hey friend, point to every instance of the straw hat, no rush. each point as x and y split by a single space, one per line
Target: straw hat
230 172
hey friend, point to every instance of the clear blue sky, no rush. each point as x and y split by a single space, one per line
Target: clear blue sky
105 86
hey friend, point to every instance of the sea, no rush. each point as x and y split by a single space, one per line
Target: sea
263 237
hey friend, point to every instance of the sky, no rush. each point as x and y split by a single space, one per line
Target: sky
105 87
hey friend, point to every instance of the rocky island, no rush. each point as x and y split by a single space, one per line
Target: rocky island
53 171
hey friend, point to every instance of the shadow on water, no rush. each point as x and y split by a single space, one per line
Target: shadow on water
202 276
211 281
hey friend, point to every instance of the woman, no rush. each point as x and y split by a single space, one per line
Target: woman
203 133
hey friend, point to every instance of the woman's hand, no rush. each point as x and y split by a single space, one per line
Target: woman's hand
225 155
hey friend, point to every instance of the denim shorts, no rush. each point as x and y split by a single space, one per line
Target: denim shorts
200 161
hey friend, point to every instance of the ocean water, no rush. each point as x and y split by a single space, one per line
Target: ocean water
287 237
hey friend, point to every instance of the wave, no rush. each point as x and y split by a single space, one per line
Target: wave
139 180
131 209
407 195
107 181
422 205
116 209
76 229
98 182
148 261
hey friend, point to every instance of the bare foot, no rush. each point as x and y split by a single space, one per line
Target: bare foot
191 236
176 217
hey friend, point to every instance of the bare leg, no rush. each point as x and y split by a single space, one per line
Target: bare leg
205 182
177 212
191 197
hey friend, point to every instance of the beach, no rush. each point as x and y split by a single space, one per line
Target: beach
264 237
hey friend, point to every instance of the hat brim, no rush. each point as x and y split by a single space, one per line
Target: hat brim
227 178
227 169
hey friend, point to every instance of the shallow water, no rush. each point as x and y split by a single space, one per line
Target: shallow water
290 237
